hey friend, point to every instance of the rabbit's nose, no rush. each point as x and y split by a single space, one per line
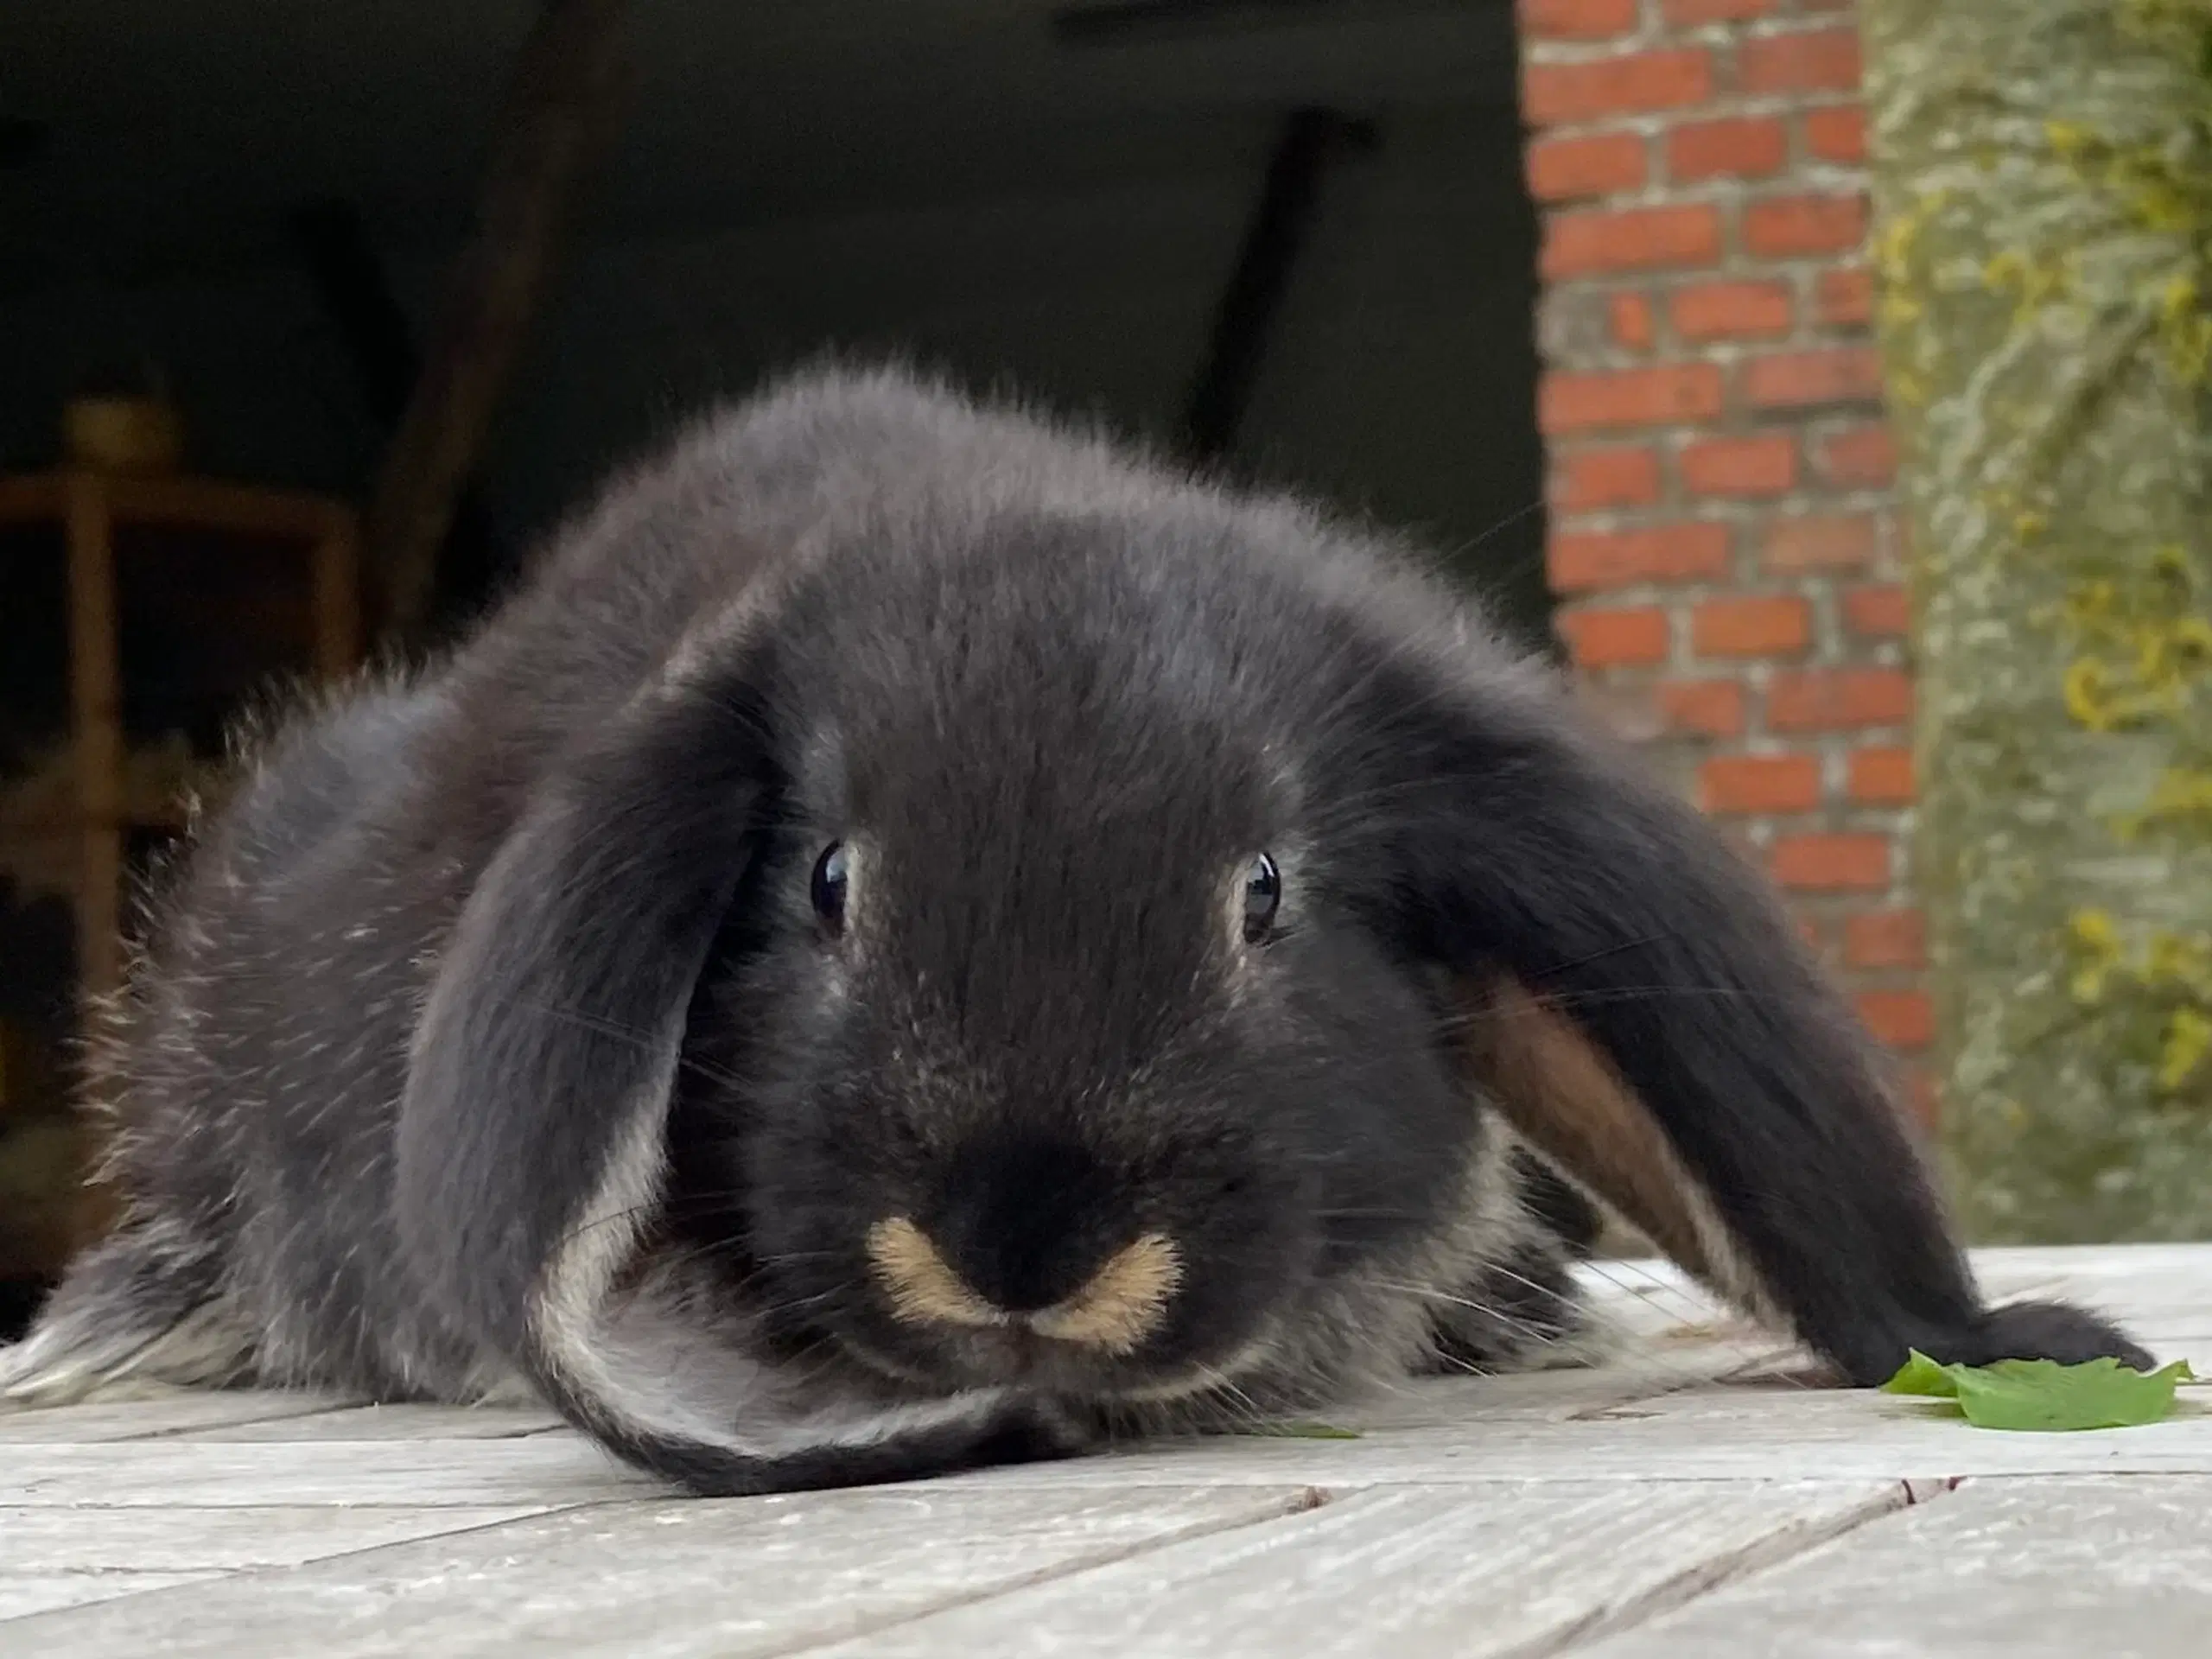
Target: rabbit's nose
1021 1220
1021 1238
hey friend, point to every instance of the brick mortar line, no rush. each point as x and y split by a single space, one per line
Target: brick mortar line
1556 51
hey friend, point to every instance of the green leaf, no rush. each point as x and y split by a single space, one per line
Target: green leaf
1303 1432
1920 1375
2040 1394
2043 1395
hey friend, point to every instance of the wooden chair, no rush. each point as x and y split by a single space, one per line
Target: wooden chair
90 505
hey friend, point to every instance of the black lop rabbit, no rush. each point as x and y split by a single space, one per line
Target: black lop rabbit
916 939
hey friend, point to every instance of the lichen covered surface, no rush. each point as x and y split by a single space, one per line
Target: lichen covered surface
2043 246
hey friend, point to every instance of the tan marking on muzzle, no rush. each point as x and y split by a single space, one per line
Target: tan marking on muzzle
1124 1301
1121 1306
923 1285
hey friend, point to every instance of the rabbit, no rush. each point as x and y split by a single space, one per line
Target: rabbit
920 936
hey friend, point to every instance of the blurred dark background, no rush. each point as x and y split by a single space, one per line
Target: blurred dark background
1290 237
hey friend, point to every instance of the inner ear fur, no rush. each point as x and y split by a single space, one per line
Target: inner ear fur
1537 1069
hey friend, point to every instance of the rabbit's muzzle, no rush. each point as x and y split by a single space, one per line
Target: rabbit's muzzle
1113 1310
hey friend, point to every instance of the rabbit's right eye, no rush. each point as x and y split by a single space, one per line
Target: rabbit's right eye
1263 898
831 876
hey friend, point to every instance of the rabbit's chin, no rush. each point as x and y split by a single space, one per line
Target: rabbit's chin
1022 1361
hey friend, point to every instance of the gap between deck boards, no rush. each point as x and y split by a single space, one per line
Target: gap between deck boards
1777 1550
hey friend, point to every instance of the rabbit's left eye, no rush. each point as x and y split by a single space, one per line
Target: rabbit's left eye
832 875
1263 897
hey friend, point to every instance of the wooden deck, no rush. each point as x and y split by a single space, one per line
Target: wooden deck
1692 1499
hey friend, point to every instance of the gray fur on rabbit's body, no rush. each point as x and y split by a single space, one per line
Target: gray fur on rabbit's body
378 1130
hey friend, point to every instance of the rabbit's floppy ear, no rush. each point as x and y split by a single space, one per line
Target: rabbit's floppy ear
1645 1014
545 1057
1554 1086
531 1154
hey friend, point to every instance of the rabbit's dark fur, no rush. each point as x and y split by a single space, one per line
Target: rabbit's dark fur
490 1044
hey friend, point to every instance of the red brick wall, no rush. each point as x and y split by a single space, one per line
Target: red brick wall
1724 535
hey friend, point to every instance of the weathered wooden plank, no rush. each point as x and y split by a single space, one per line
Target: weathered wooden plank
535 1471
1411 1572
173 1413
46 1540
1551 1396
2162 1293
22 1594
2118 1568
1730 1434
658 1580
1653 1296
2031 1264
388 1423
1709 1433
